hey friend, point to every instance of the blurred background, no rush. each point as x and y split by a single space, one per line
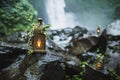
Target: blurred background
18 15
69 13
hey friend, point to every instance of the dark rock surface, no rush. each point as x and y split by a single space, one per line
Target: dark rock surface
58 62
113 46
101 43
117 69
82 45
36 66
114 28
94 74
10 52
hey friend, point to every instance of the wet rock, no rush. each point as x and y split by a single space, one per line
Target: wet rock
80 29
2 33
58 41
61 38
92 74
17 38
57 63
24 37
56 35
89 57
117 69
57 69
9 53
113 51
48 67
82 45
54 46
89 73
114 28
78 32
77 36
35 67
101 43
39 67
12 70
67 31
113 44
72 70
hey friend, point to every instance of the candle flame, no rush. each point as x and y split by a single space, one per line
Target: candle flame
98 30
38 43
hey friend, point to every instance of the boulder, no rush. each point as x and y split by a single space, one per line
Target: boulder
92 74
82 45
78 32
57 63
67 31
113 46
80 29
101 43
117 69
36 66
9 53
19 37
113 30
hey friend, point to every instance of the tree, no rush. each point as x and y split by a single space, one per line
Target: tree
15 15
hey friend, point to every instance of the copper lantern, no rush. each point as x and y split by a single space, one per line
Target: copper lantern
39 38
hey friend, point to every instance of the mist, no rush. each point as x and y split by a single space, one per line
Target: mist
70 13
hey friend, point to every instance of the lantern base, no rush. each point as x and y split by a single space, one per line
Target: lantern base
39 51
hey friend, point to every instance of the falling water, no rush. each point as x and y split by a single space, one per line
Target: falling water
57 16
85 13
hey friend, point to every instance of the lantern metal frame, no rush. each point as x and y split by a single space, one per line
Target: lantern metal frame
39 41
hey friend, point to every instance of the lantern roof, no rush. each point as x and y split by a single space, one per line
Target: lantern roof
40 19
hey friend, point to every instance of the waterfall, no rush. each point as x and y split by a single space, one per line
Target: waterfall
84 13
57 16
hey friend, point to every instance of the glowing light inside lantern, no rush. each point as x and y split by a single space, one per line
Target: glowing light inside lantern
39 43
98 65
98 30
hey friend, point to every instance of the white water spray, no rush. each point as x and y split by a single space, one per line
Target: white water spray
57 16
87 13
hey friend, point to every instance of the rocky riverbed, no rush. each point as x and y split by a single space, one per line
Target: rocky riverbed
66 51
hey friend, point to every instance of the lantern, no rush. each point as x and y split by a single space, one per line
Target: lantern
39 39
98 30
99 65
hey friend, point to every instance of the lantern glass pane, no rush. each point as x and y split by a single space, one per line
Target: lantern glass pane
39 42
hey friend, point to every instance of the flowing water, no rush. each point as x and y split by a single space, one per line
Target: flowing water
57 16
70 13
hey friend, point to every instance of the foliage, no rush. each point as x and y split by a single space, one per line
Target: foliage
78 76
99 58
15 15
97 64
113 73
